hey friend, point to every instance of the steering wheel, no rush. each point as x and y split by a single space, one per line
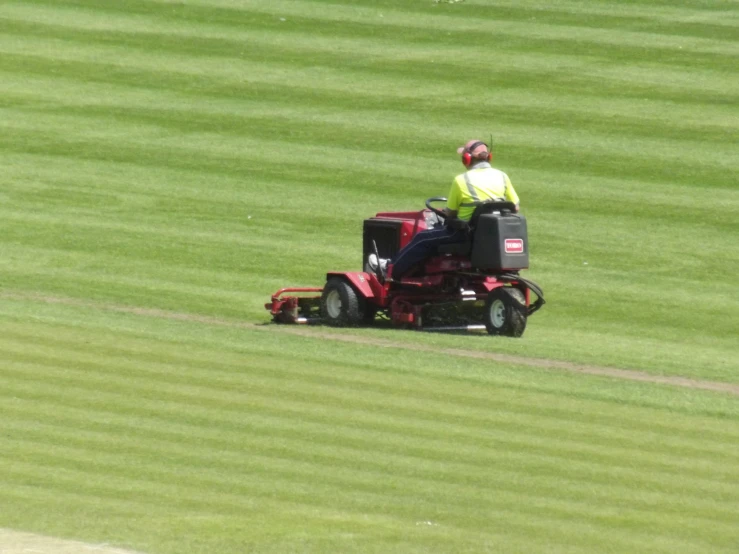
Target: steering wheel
433 199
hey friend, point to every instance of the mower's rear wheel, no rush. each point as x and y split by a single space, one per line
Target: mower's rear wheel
505 312
340 305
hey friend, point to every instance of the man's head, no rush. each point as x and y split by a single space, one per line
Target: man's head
473 152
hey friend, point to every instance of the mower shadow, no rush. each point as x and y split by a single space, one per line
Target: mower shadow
386 325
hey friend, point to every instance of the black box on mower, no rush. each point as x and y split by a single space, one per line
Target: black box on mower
385 233
500 242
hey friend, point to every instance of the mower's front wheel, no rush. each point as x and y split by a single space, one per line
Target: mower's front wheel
505 312
340 305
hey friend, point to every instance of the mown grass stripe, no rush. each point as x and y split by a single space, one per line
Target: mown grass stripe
268 379
383 344
244 76
386 110
115 357
148 121
650 165
296 47
129 507
670 16
699 458
343 461
566 449
148 183
415 452
508 501
511 506
87 147
344 19
216 386
178 114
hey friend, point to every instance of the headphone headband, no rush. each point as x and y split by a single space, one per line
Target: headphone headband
475 145
467 156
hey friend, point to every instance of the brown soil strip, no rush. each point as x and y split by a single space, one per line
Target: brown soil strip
628 374
320 333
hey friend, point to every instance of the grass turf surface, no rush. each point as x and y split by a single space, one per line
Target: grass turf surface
196 156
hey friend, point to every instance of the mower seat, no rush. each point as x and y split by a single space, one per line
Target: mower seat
487 207
456 248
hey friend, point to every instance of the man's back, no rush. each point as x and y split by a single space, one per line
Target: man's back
481 182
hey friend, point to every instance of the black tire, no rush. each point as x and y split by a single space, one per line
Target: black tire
505 312
340 305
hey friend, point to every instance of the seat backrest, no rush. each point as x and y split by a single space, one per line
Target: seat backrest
490 206
486 207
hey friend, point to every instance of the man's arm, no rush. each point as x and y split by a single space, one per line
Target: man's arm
453 200
510 193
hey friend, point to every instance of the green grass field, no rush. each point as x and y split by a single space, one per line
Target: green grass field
166 166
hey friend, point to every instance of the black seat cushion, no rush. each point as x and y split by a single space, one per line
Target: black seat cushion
456 248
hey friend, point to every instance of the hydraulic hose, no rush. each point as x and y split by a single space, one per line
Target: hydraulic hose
532 286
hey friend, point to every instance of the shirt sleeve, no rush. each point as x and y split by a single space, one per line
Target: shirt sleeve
454 199
510 192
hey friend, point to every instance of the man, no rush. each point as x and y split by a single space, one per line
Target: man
479 183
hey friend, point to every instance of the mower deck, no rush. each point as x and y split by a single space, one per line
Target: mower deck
295 309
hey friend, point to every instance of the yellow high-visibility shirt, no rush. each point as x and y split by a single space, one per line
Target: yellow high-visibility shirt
481 183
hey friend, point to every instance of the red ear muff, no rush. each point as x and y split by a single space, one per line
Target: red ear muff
467 156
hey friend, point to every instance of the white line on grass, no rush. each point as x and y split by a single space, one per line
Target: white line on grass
17 542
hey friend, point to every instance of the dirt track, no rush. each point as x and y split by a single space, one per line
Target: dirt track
322 333
628 374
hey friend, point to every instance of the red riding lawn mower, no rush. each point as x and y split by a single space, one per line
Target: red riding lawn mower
473 285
